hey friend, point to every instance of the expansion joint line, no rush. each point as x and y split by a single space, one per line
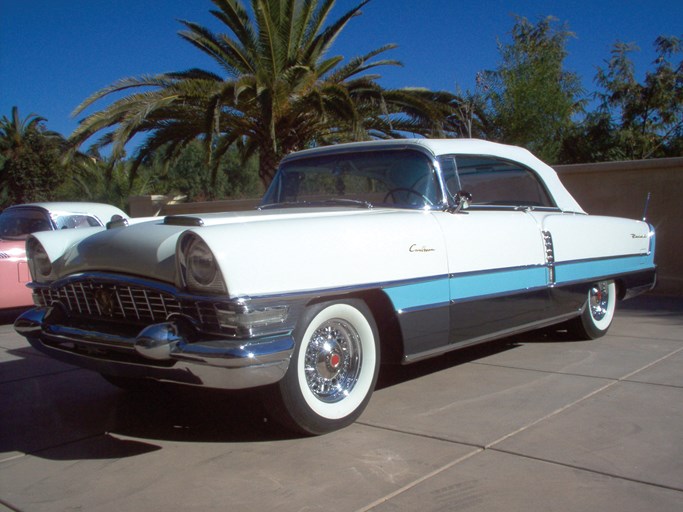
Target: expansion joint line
492 445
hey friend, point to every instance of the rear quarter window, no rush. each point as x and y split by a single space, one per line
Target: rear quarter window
494 182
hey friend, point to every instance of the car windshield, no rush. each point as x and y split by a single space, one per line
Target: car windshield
73 221
391 178
17 224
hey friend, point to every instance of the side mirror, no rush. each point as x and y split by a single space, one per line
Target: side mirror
117 222
462 201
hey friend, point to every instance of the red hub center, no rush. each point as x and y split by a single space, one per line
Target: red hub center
334 360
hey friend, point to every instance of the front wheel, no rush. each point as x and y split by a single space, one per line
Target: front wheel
333 370
598 313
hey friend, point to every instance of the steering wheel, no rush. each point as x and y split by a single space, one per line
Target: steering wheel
412 191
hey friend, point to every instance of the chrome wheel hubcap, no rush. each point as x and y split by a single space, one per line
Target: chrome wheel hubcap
333 360
599 300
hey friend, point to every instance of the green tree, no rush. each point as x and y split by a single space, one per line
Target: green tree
647 116
188 176
278 90
634 120
530 99
32 168
103 180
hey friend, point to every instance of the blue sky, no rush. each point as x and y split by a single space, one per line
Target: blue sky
55 53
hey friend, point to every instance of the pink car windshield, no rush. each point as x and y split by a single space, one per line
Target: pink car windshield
17 224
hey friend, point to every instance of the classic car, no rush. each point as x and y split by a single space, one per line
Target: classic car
360 253
17 222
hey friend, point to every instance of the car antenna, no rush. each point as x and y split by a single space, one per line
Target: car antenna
647 204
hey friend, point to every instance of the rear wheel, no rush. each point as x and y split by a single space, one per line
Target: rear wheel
333 370
598 314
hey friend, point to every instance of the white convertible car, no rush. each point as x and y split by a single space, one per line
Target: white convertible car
360 253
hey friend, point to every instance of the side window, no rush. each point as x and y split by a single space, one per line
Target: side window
494 182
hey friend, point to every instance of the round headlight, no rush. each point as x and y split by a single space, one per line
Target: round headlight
201 263
41 261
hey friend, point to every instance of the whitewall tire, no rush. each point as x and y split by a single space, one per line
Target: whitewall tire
333 370
598 314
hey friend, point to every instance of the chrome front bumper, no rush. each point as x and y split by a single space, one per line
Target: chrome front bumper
165 352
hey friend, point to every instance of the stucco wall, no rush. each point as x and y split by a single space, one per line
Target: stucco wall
611 188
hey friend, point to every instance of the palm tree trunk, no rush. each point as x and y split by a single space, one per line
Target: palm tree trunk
268 162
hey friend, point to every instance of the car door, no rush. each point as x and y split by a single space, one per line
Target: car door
498 272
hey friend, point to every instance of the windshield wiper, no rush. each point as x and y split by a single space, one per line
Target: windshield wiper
327 202
345 202
286 204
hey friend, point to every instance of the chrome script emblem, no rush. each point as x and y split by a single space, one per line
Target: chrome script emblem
106 301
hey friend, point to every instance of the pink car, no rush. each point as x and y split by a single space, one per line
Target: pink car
17 222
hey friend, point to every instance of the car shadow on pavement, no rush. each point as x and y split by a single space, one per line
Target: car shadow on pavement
393 374
65 413
175 413
8 316
181 414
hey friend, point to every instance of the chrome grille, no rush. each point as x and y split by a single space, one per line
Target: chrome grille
4 255
112 301
205 313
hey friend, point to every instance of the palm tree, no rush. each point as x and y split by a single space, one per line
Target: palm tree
33 165
14 130
277 91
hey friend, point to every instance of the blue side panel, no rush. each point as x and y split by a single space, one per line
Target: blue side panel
583 270
419 295
442 290
486 284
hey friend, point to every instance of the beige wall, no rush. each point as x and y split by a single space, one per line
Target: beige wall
611 188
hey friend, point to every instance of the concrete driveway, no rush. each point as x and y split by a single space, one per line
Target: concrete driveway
526 424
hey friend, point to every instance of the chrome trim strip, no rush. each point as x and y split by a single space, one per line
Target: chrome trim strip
427 307
603 258
510 293
473 273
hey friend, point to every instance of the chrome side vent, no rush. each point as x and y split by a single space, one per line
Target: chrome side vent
549 256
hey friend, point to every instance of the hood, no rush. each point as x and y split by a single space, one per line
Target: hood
147 249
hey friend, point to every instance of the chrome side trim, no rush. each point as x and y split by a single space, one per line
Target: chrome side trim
494 270
602 258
